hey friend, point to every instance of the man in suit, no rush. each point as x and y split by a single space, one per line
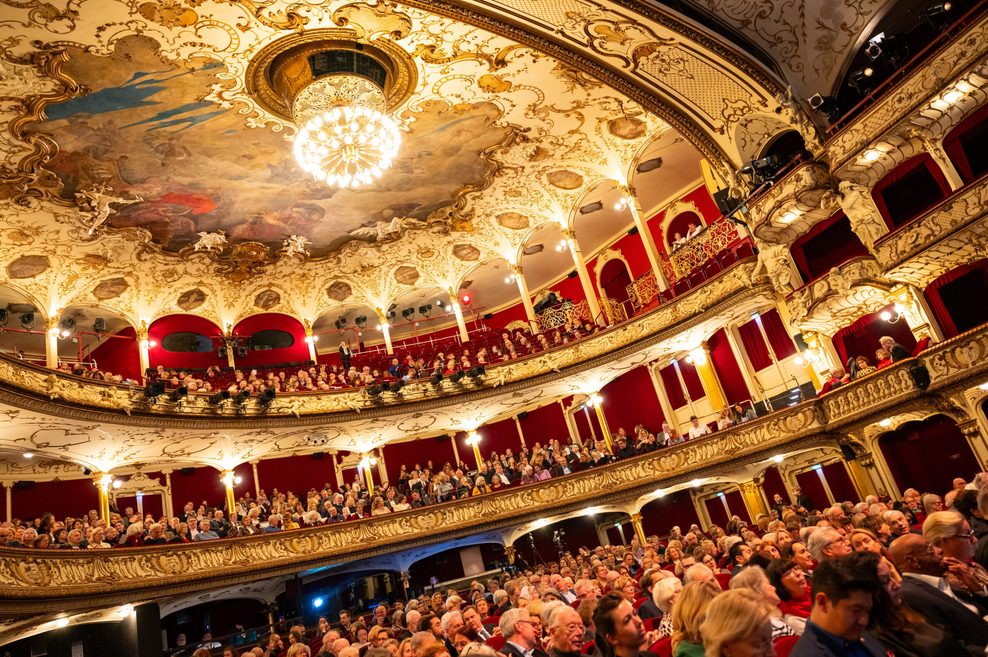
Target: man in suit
925 590
473 621
518 630
842 602
345 355
649 609
801 499
897 351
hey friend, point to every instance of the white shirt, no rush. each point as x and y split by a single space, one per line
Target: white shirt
696 432
940 584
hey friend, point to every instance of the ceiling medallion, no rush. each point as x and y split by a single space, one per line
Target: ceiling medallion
338 90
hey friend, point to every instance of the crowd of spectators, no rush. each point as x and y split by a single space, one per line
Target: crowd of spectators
882 577
417 486
91 371
888 352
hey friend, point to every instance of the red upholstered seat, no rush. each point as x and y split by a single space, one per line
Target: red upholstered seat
784 644
651 623
921 345
639 602
662 647
724 579
492 620
588 647
575 604
496 642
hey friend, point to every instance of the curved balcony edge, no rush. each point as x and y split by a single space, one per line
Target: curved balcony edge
71 579
38 389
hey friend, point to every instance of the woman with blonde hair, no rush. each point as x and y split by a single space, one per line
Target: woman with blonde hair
626 587
950 532
687 615
737 623
754 579
664 594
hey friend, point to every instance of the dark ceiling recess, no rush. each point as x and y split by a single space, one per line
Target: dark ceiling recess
649 165
591 207
332 62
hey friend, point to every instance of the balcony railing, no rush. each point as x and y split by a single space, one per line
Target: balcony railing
36 581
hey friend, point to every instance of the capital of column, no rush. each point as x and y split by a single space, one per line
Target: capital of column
636 518
509 551
307 325
749 487
142 331
516 269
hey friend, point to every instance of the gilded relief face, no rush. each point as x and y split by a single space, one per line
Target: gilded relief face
145 129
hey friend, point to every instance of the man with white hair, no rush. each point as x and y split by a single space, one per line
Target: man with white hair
412 619
566 632
700 573
897 523
827 543
452 622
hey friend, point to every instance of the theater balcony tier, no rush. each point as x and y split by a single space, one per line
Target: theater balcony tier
660 333
39 581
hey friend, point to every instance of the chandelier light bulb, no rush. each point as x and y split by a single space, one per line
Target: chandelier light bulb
347 146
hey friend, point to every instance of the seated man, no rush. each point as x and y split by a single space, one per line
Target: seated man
925 589
895 350
696 429
842 603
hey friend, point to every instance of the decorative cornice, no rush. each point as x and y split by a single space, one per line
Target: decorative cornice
38 389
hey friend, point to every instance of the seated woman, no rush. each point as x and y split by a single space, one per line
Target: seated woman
678 241
480 487
791 586
882 359
688 613
753 579
725 420
737 623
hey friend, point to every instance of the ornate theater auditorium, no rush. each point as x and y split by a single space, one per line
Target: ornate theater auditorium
251 248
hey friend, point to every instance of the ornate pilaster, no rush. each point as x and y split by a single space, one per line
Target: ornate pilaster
461 325
934 147
859 206
385 330
526 297
144 348
654 260
636 522
708 377
51 341
310 340
917 312
753 499
976 439
509 552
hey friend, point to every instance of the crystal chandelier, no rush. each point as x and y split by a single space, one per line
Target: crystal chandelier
345 138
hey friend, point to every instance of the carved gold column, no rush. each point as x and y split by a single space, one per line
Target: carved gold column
654 260
51 341
521 434
310 340
337 469
526 298
509 551
385 330
581 269
473 439
976 439
231 346
461 325
382 467
228 478
144 348
102 482
753 499
824 353
456 450
747 371
366 465
598 406
708 377
257 480
636 522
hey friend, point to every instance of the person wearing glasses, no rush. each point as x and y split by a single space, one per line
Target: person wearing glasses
520 634
951 533
827 543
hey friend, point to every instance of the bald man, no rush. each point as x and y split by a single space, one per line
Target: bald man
925 589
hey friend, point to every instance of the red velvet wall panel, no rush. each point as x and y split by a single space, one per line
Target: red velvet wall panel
715 509
778 336
965 145
119 355
615 279
736 503
927 455
505 316
774 484
949 298
496 437
173 360
693 384
544 424
629 400
840 482
909 190
633 249
670 383
296 473
203 485
754 345
298 352
812 487
727 368
569 288
681 223
861 337
413 452
662 514
828 244
72 497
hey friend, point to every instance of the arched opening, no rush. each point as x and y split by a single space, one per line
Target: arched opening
615 279
329 595
22 326
909 190
967 145
724 505
680 226
671 510
861 338
784 150
218 617
270 339
830 243
93 338
187 351
493 294
950 297
928 454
